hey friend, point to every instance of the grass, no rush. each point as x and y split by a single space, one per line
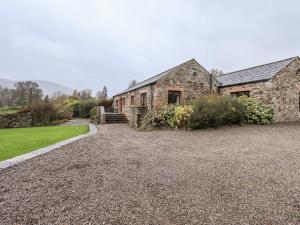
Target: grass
17 141
8 110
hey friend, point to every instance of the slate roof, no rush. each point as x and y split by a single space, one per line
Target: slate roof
253 74
152 80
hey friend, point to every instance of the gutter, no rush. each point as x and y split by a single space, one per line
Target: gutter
242 83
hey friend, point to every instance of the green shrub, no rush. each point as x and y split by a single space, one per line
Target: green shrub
93 111
93 115
180 116
167 116
256 111
85 107
44 114
214 111
72 105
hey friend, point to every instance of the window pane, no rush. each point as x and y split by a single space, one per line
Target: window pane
144 99
174 97
240 93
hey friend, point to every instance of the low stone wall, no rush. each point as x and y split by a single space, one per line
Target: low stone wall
16 120
136 115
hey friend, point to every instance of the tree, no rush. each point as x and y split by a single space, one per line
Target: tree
20 94
6 97
132 83
85 94
59 98
216 72
102 94
35 94
26 93
46 99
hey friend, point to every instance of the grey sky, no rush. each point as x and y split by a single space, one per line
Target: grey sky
88 44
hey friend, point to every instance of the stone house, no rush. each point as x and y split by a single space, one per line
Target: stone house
174 86
276 84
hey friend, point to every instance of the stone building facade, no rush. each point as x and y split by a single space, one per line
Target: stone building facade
174 86
276 84
280 89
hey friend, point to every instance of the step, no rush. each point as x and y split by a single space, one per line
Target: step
116 118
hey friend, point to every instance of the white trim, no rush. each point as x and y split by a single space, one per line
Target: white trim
13 161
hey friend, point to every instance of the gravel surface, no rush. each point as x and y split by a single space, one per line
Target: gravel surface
235 175
77 121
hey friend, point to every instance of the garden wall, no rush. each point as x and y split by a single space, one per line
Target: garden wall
136 115
16 120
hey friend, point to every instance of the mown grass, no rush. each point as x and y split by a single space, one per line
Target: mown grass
17 141
8 110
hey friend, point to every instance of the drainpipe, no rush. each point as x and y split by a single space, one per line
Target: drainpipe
219 89
151 95
210 82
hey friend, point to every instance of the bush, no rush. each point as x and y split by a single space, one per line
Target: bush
180 116
93 111
44 114
216 111
72 105
256 111
93 115
167 116
85 107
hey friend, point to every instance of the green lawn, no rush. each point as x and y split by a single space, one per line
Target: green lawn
17 141
8 110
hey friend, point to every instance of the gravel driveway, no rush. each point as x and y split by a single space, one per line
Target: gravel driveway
238 175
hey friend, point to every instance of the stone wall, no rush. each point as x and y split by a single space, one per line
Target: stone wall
282 92
136 115
16 120
191 79
137 99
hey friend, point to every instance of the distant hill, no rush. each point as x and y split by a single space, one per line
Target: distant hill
6 83
48 87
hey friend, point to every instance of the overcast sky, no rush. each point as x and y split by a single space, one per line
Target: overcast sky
91 43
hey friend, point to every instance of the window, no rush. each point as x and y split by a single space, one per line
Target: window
174 97
132 100
240 93
123 101
144 99
194 71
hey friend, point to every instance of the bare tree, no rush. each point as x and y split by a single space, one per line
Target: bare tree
216 72
132 83
103 93
6 97
27 92
86 94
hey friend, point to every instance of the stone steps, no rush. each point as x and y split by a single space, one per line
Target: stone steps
116 118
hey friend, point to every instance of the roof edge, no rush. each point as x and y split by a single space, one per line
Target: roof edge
175 67
294 58
242 83
257 66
